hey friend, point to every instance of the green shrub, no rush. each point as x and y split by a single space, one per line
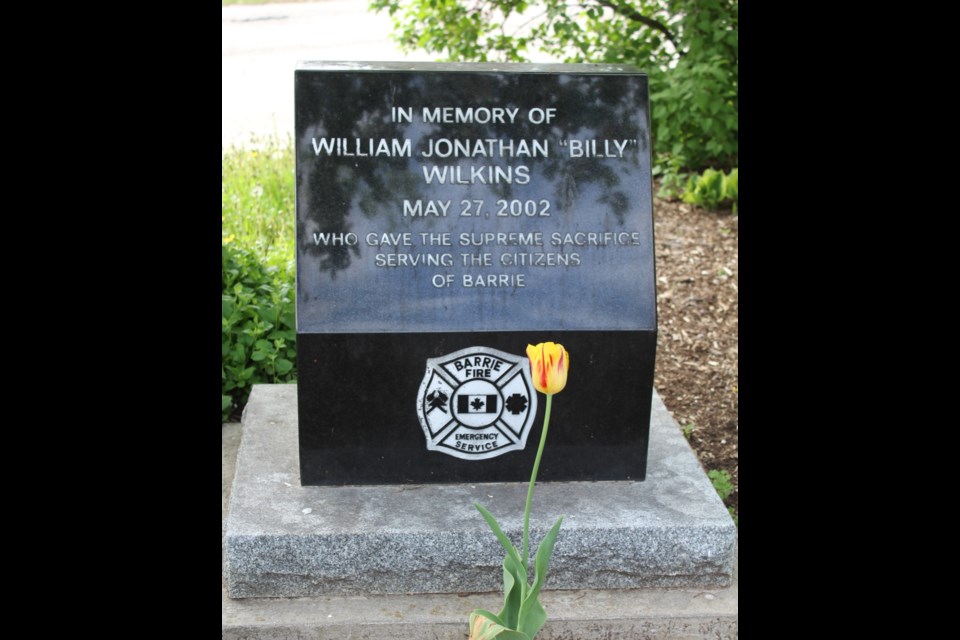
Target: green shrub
695 107
689 49
258 331
721 482
672 177
712 189
723 485
257 235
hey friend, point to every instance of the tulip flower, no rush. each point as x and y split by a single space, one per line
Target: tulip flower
549 363
522 615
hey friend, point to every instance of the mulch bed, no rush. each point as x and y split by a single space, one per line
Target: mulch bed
697 348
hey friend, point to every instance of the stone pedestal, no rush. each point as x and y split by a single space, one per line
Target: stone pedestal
286 540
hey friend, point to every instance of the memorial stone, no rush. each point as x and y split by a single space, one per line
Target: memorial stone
447 216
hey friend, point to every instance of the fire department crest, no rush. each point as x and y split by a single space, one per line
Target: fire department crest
477 403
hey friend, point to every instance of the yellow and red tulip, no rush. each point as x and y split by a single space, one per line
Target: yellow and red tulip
549 363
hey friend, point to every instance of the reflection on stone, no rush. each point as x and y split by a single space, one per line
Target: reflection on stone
464 167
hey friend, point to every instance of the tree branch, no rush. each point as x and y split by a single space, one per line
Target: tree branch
633 14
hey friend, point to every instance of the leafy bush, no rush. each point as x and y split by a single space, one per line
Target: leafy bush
689 48
257 236
723 485
258 331
672 177
712 189
721 482
696 105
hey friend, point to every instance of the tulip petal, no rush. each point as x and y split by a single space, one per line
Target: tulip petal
549 363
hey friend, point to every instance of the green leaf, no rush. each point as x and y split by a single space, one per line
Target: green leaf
486 614
721 482
732 185
514 583
283 366
544 551
269 314
226 402
492 628
532 614
257 356
534 617
498 532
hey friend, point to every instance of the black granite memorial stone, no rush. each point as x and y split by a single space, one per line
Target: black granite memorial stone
447 216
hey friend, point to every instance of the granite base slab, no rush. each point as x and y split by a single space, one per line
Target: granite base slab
286 540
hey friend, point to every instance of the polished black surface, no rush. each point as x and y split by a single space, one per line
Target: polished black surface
595 273
358 424
575 265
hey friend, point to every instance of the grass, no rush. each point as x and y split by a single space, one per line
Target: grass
257 200
257 187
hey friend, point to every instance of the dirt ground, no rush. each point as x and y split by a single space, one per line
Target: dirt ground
697 348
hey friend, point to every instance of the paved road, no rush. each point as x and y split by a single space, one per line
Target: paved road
261 45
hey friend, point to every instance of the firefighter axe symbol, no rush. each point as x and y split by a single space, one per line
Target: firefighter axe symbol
437 400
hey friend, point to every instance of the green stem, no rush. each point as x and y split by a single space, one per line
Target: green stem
533 481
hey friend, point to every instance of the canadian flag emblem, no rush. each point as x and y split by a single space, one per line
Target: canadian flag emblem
477 404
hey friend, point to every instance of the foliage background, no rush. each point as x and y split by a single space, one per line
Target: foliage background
689 49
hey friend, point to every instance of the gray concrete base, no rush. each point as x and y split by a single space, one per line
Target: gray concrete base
657 614
285 540
629 614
